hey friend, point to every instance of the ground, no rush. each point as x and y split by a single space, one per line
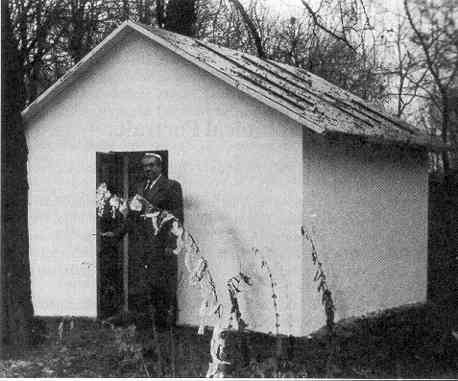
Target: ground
416 341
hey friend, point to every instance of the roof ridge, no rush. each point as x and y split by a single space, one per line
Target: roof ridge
307 98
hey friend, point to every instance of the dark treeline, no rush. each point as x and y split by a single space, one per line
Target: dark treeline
54 34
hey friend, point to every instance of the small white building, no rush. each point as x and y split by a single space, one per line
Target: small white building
262 150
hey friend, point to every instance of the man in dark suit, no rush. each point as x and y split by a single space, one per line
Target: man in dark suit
159 190
152 269
161 267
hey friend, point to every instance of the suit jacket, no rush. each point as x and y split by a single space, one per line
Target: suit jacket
149 265
165 194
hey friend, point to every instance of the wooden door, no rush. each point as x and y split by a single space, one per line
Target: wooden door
120 171
110 290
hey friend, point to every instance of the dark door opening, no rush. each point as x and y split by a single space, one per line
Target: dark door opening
120 171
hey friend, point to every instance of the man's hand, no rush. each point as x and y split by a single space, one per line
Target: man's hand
124 209
107 234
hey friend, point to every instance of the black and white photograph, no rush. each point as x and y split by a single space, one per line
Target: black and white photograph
229 188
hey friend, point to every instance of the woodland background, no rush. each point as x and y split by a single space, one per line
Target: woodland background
409 66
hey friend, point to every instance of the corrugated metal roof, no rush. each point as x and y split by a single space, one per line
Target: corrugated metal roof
312 101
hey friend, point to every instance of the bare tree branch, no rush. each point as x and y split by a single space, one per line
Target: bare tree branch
424 46
317 22
251 27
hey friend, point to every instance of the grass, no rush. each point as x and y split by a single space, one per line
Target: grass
406 342
94 350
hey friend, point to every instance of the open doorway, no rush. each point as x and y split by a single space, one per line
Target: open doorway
120 171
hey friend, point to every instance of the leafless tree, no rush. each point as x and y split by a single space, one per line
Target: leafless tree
222 23
36 29
16 310
344 19
254 32
297 41
404 70
435 33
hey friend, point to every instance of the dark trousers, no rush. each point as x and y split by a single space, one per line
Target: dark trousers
159 293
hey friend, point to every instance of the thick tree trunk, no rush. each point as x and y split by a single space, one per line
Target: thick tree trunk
180 16
125 10
17 310
160 13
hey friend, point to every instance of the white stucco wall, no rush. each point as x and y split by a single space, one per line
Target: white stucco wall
367 207
239 162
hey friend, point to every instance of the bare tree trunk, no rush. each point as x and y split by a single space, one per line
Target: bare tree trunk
160 13
77 21
125 10
342 37
251 28
36 64
445 130
17 310
181 16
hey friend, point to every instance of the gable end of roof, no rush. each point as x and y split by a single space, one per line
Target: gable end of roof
304 97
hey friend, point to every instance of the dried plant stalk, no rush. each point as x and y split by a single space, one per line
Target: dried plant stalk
273 287
320 277
278 346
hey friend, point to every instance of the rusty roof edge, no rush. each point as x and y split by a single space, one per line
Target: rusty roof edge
379 117
292 94
354 99
430 143
391 118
